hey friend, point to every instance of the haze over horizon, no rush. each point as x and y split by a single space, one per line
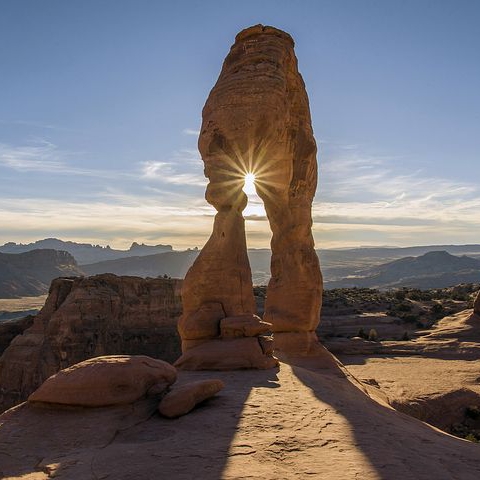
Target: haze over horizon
101 106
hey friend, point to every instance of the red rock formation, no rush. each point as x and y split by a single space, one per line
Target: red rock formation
104 381
257 119
89 317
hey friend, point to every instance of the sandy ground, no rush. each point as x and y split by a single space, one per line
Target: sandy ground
22 303
307 419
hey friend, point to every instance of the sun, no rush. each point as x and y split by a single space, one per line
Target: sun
249 186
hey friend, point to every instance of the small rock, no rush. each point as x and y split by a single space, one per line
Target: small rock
181 400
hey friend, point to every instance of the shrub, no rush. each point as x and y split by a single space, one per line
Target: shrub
373 335
362 334
472 412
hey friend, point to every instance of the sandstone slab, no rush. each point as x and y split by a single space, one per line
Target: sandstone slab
181 400
102 381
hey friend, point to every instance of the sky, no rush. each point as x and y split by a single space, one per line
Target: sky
100 107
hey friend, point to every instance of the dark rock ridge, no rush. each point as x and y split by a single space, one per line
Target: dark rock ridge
30 273
89 317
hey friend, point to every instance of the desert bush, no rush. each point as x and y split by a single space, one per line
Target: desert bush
373 335
404 307
400 294
362 334
473 412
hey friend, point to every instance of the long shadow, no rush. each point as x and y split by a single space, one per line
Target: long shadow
129 441
397 446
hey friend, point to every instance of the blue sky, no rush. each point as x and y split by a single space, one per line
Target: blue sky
100 104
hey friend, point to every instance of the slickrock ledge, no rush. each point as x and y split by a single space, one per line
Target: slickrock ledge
308 419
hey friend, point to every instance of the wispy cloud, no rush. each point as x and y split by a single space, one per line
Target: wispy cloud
191 131
166 172
38 125
40 155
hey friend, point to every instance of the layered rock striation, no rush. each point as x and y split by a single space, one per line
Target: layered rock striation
257 120
89 317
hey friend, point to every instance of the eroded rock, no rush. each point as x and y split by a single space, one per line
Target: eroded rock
89 317
476 306
257 120
102 381
181 400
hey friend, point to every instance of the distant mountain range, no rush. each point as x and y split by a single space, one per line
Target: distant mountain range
376 267
30 273
84 252
437 269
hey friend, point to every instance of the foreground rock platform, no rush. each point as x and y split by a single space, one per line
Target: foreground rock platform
307 419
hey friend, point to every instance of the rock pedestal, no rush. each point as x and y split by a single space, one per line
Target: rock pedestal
257 120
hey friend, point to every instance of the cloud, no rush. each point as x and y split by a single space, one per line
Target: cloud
191 131
43 156
166 173
374 199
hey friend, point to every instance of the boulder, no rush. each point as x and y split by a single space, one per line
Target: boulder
102 381
181 400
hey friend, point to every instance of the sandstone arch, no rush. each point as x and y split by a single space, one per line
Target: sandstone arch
256 119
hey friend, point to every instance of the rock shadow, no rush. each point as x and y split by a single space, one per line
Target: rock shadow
132 441
395 444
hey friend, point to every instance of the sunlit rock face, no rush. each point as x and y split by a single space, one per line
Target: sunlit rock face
257 120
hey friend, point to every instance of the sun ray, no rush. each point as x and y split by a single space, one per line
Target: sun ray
249 186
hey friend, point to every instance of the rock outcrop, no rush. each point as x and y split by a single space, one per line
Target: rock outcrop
257 120
181 400
104 381
476 305
89 317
